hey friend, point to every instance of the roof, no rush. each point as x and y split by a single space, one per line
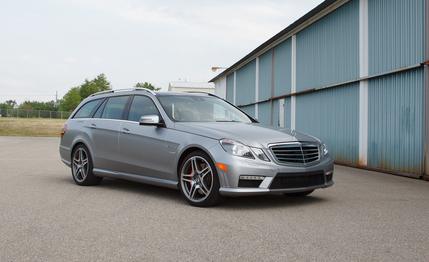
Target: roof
184 84
276 37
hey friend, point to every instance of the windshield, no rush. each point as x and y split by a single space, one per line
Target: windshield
201 109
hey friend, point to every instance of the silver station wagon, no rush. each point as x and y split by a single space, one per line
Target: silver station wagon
195 142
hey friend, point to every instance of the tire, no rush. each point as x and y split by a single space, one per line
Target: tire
200 188
299 194
81 167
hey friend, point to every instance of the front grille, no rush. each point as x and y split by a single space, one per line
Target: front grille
297 180
296 153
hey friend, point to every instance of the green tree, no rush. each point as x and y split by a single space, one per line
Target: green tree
36 105
95 85
147 85
71 99
9 104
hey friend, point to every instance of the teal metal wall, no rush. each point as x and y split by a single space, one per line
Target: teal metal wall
265 75
282 68
230 88
275 112
396 34
396 122
327 52
287 108
250 110
245 84
264 113
333 116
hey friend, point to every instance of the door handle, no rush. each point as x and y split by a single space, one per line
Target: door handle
125 131
93 126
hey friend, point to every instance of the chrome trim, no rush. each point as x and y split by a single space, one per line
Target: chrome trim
136 178
226 191
318 145
124 90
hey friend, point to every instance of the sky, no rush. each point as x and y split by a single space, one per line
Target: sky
49 46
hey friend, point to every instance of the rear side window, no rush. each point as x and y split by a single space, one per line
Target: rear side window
86 110
115 107
141 106
100 110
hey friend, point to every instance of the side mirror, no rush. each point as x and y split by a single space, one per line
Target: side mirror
150 120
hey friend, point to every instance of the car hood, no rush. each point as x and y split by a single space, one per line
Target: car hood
252 134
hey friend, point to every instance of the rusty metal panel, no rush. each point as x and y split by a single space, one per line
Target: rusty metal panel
396 122
327 52
333 116
396 34
265 75
282 68
230 88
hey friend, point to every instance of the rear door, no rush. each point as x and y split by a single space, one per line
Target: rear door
105 126
146 150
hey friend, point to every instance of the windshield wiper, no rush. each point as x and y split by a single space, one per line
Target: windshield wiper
235 121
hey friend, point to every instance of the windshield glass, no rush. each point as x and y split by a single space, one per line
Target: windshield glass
201 109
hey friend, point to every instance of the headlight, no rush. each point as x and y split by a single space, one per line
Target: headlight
236 148
260 154
325 149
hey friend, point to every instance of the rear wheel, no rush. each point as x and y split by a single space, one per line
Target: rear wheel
198 180
81 167
299 194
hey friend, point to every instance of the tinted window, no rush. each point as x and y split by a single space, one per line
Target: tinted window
141 105
100 110
86 110
115 107
196 108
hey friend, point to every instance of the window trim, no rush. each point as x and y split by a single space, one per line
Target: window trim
91 113
161 119
125 108
101 106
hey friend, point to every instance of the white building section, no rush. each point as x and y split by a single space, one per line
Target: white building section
184 86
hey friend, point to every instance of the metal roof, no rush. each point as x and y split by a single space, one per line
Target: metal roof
276 37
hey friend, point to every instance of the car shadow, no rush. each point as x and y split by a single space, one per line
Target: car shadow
268 201
228 203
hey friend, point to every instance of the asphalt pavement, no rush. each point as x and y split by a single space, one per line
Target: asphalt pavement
44 216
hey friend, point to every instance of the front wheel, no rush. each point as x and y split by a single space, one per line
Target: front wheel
299 194
198 180
81 167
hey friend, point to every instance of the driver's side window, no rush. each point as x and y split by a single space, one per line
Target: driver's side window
140 106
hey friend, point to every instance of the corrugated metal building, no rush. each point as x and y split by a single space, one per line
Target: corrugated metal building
352 72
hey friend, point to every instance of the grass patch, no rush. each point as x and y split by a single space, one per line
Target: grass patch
30 126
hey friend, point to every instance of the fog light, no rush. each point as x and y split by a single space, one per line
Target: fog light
252 177
329 173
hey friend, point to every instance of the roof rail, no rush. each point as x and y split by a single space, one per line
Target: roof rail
124 90
201 92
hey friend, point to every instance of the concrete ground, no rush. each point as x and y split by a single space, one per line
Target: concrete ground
44 216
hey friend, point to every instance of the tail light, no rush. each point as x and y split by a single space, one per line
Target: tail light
63 130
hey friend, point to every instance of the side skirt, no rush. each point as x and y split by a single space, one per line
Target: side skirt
136 178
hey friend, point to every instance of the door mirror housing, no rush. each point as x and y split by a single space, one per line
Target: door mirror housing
151 120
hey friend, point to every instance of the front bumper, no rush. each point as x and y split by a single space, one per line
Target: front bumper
238 166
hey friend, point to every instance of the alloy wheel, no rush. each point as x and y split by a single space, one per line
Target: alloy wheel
196 178
80 164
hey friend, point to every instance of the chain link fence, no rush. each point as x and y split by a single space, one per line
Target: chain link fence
21 113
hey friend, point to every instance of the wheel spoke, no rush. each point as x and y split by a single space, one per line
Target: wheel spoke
187 180
204 189
80 155
194 165
192 190
84 162
205 171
